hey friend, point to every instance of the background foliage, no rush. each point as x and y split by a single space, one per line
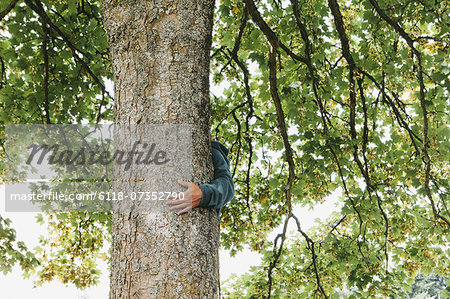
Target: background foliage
323 96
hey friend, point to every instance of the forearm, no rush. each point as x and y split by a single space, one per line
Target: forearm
217 193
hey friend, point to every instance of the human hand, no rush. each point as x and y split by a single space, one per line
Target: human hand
191 198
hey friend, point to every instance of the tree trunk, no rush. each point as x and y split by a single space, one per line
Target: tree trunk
160 59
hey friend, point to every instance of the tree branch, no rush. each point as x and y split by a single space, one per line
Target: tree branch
281 121
322 110
6 11
3 74
314 256
290 160
339 24
237 41
416 53
402 123
39 9
271 36
46 72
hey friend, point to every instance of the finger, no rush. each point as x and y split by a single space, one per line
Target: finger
176 202
184 184
184 210
179 203
178 207
177 195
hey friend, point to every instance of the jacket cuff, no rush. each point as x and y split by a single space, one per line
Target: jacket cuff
206 195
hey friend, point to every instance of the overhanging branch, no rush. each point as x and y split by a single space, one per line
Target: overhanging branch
268 32
46 69
39 9
422 91
6 11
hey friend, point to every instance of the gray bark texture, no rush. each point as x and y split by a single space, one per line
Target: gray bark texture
160 58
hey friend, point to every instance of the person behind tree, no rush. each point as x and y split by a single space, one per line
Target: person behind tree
213 195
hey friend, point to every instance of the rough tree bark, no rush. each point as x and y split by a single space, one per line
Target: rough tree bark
160 57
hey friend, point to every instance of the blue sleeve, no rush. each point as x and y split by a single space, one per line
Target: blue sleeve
221 190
